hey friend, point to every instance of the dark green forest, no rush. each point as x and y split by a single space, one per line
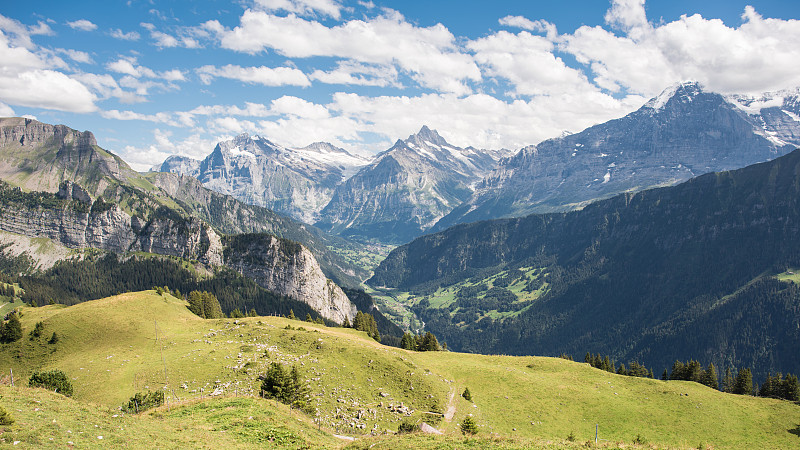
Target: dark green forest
71 282
657 276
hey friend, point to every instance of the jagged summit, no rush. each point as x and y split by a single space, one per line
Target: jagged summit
684 92
683 132
424 135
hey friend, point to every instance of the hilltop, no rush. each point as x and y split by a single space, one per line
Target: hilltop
113 347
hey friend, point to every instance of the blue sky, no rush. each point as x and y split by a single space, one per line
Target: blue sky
152 79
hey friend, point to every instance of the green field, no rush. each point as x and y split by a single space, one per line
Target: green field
114 347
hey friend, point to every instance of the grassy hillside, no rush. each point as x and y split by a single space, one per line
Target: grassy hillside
110 350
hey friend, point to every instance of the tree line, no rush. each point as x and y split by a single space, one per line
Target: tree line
776 386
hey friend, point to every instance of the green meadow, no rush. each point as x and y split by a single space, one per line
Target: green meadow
208 369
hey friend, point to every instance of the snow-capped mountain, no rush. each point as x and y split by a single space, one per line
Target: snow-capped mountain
406 188
684 132
296 182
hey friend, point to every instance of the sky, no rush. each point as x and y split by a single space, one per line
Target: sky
151 79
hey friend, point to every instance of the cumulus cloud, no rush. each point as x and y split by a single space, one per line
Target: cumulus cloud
267 76
76 55
759 55
430 55
119 34
46 89
529 63
330 8
348 72
531 25
82 25
128 66
165 144
27 78
5 110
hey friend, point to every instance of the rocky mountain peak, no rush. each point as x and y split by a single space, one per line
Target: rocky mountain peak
426 135
683 92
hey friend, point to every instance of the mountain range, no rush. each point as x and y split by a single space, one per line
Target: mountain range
684 132
702 270
65 188
423 184
393 197
294 182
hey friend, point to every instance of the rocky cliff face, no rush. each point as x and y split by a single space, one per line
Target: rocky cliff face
279 265
56 153
289 268
682 133
296 182
406 189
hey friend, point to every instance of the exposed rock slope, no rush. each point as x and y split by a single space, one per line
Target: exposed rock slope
406 189
684 132
296 182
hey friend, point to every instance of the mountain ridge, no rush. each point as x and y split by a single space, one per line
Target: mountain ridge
684 132
643 276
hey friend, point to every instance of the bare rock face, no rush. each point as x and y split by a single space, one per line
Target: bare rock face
289 268
77 224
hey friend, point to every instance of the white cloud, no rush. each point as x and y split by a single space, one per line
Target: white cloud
26 78
759 55
46 89
164 145
105 86
330 8
6 111
348 72
529 63
429 55
129 36
77 56
172 75
531 25
294 106
127 66
83 25
278 76
41 28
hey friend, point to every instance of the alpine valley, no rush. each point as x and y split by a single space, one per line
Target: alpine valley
314 298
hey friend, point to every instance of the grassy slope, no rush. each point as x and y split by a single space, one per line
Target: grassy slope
108 346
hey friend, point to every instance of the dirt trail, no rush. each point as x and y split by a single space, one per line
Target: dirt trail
451 406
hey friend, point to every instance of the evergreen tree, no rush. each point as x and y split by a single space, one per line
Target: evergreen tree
309 318
743 384
665 375
291 314
5 418
467 394
407 342
11 330
709 377
468 425
728 381
346 322
790 390
622 370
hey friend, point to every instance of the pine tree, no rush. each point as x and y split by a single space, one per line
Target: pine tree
408 342
728 381
709 377
468 425
790 390
467 394
12 330
309 318
743 384
665 375
291 314
346 322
